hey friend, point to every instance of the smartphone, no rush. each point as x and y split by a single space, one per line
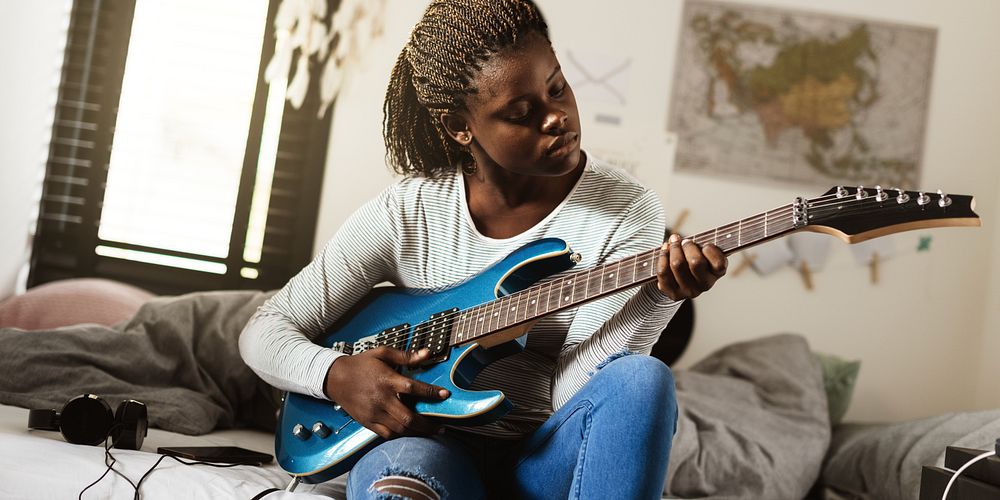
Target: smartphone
217 454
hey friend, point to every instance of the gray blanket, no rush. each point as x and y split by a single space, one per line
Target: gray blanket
884 461
178 355
753 422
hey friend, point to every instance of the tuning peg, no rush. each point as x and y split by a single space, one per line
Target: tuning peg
944 201
862 194
902 197
923 199
880 194
842 192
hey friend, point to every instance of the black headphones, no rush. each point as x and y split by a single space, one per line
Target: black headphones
88 419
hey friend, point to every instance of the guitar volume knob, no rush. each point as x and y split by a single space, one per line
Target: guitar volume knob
320 429
301 432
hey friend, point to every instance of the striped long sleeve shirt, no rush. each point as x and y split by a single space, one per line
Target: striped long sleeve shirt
418 233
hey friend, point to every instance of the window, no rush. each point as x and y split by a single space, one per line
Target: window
173 165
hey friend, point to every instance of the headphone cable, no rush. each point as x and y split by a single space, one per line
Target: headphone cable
135 486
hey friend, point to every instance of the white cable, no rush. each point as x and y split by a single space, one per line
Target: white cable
944 495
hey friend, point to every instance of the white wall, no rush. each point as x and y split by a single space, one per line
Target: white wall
32 39
919 333
988 394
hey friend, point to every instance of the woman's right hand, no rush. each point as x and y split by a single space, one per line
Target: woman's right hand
368 387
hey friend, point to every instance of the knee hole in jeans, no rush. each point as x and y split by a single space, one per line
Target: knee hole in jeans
404 488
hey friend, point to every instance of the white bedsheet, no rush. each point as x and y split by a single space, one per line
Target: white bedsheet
40 465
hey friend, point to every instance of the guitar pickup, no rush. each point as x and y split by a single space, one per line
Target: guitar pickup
435 335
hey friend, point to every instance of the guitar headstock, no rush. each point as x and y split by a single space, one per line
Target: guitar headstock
859 214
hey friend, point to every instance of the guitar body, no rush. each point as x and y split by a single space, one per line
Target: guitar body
315 458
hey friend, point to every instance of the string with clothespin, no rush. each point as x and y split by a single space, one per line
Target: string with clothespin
806 274
679 221
746 262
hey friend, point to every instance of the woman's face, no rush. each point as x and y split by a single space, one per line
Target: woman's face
524 117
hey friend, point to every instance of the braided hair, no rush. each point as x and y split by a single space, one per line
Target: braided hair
433 76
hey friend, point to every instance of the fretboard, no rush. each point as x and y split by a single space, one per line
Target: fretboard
573 289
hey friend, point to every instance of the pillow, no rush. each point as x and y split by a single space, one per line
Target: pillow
839 377
71 302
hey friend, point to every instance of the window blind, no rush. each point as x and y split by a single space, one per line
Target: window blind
89 227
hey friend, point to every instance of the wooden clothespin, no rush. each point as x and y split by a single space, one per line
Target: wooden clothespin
679 221
744 264
873 268
806 275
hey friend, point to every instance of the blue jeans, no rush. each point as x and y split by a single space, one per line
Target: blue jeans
611 440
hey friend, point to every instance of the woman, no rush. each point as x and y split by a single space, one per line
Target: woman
480 119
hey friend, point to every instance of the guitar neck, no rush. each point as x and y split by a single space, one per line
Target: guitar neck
576 288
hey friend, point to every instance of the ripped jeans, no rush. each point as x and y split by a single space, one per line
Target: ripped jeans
611 440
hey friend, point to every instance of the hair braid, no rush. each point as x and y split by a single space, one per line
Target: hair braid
433 72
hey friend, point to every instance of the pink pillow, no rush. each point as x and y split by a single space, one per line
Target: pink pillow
70 302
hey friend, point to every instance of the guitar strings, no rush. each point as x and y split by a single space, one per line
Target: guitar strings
854 205
752 230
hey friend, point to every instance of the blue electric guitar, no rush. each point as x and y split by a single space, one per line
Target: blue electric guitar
484 318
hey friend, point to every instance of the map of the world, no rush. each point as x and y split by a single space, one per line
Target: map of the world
799 96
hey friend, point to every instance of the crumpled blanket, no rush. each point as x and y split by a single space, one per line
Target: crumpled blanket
178 355
753 422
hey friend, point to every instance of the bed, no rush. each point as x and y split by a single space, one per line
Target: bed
40 464
755 420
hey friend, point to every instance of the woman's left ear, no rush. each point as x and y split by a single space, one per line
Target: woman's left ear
457 128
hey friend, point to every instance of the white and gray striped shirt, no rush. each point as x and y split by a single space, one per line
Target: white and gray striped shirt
418 234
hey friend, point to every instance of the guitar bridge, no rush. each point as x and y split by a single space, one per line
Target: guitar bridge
342 347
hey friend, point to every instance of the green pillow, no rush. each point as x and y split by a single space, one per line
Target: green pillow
839 377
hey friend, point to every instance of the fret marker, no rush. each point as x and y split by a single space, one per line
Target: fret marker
496 314
567 297
532 301
729 235
644 264
480 319
513 307
611 275
570 282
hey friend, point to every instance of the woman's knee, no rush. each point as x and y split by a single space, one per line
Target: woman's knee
639 378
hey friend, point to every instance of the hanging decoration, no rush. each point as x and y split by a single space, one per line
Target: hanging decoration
331 43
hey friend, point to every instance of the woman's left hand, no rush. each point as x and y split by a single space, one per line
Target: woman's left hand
686 270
